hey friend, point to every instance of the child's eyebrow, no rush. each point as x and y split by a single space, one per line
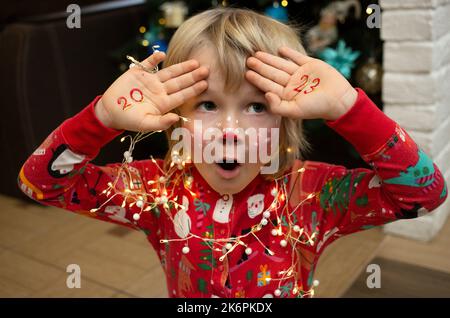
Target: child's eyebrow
208 92
254 94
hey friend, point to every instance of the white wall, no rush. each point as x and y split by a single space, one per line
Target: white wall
416 89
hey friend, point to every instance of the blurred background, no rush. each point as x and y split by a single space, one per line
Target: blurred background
49 72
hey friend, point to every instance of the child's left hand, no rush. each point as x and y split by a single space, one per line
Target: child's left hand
303 87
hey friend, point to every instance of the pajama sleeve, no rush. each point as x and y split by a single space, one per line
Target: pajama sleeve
403 181
59 173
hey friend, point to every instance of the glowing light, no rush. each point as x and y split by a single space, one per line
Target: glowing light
161 192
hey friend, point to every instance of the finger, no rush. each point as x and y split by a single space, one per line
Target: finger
285 108
180 97
153 60
273 101
177 69
264 84
294 55
277 62
270 72
151 122
178 83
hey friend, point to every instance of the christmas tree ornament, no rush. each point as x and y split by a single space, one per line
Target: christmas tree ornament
342 58
369 76
174 13
342 9
277 12
325 33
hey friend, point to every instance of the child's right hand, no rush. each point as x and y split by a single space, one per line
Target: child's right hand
142 101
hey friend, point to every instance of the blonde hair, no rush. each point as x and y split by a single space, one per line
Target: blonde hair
237 34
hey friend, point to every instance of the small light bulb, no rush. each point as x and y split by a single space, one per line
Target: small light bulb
274 192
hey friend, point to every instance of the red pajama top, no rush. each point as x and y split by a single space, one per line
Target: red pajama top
403 182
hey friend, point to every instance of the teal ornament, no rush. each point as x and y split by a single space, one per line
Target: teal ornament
342 58
277 12
155 36
162 46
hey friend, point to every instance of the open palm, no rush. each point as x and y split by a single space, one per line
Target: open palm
301 87
142 101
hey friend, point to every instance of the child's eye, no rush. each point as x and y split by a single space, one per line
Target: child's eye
256 108
207 106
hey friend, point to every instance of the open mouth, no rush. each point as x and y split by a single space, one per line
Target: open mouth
228 170
228 165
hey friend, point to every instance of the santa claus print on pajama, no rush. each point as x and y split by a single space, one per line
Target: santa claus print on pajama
402 183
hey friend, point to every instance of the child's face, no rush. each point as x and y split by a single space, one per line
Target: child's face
218 111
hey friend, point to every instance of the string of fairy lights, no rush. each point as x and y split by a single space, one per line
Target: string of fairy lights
160 192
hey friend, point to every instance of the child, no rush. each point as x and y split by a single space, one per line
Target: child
222 228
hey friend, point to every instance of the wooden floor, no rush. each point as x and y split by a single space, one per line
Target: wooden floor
400 279
38 243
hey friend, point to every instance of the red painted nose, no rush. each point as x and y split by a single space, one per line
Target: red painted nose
230 136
